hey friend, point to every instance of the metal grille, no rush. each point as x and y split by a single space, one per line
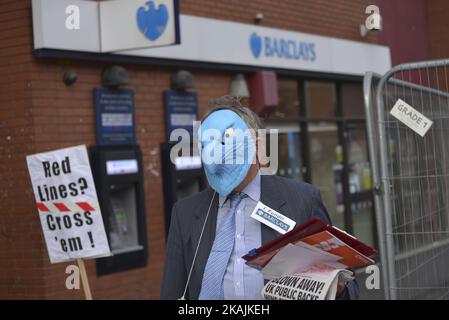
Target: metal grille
412 173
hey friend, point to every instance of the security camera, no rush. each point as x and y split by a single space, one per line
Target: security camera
259 17
363 31
69 77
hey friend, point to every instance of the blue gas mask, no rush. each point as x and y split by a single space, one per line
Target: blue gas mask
227 149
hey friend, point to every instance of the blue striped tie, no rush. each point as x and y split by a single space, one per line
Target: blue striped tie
212 286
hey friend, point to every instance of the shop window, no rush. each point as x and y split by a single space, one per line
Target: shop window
352 100
326 168
288 147
320 98
288 106
360 185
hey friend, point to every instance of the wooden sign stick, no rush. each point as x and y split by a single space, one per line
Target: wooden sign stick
84 279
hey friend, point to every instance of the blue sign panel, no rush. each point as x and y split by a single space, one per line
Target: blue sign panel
114 109
181 110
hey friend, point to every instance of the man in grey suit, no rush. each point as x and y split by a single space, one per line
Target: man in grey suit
213 228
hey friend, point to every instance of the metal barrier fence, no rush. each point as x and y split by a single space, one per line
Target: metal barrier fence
411 179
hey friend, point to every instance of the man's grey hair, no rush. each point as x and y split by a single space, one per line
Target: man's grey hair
236 105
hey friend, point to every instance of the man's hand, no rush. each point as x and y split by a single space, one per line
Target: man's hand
341 287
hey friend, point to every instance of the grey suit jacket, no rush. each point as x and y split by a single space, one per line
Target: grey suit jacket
297 200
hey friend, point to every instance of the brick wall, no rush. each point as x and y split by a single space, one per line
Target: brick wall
39 113
64 116
337 18
437 11
21 250
405 29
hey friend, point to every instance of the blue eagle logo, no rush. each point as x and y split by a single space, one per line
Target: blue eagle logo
152 21
255 43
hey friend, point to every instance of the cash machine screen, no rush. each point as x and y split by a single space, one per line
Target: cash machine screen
188 163
121 166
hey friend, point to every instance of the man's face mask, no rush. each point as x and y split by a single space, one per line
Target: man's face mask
227 150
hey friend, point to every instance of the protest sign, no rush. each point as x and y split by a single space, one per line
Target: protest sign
68 205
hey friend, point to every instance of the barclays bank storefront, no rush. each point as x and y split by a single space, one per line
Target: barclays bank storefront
119 76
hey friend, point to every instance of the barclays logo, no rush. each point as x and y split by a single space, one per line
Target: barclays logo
255 43
281 48
152 21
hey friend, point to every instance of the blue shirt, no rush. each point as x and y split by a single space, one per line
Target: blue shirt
240 281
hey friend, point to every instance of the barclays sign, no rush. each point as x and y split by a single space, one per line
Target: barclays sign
273 47
137 27
133 24
106 26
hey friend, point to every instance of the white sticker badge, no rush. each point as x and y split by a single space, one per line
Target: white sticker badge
411 118
272 218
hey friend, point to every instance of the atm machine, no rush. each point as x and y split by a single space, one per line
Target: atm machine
118 176
182 177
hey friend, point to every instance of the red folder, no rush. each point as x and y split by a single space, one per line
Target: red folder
312 226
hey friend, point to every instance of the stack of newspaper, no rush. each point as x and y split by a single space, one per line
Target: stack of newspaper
308 262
